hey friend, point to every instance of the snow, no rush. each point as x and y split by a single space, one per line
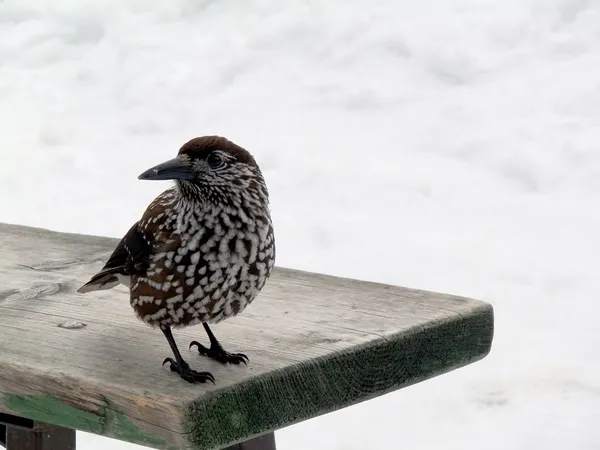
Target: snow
442 145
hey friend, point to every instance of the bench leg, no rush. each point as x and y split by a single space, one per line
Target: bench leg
264 442
26 434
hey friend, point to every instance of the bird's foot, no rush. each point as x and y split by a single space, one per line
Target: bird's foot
188 374
217 352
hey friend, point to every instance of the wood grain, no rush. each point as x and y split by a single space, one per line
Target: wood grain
316 343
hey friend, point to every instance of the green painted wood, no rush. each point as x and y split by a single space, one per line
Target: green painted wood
326 384
316 344
109 421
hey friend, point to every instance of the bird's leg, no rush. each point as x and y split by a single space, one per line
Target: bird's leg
216 351
180 366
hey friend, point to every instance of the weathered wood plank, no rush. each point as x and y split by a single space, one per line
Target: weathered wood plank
316 344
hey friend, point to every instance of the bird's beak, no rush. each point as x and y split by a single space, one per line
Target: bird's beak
174 169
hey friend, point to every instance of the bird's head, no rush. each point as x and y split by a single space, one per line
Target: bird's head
214 169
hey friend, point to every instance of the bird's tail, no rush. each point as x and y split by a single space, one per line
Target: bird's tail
106 279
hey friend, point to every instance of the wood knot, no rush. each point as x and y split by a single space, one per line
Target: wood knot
72 325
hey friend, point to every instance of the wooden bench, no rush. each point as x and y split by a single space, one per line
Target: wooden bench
316 344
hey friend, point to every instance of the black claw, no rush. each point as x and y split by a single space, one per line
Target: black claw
217 353
169 360
188 374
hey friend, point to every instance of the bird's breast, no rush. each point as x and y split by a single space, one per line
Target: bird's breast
205 270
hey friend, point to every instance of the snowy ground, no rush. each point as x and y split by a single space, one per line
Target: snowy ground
443 145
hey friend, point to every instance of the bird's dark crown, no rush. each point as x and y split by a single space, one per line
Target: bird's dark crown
213 169
202 147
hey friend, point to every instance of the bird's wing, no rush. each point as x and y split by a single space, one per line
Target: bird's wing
131 256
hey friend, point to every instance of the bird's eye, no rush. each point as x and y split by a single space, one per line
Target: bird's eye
215 160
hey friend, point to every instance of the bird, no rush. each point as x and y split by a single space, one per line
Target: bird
202 250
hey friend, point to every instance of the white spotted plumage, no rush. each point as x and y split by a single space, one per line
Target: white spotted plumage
203 249
207 248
